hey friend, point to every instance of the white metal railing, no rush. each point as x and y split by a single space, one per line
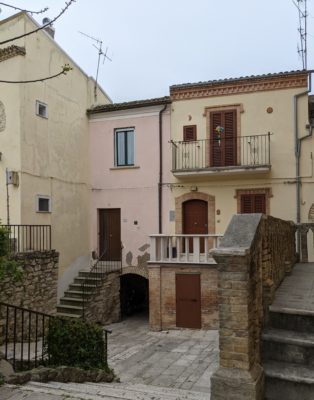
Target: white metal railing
183 248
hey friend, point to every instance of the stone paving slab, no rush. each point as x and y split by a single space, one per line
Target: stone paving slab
297 290
168 365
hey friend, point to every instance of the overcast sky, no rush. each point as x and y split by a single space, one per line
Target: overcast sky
157 43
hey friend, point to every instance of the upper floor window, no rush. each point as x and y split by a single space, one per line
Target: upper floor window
41 109
189 133
124 147
43 204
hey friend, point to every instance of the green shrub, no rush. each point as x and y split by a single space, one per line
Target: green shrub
8 267
75 343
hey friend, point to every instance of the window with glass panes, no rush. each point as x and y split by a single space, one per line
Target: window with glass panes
124 147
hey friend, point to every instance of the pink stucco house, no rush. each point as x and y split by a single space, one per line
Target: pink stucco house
130 166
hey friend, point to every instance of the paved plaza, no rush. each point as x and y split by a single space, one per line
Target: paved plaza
164 365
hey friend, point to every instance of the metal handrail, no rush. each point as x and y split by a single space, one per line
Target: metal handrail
25 238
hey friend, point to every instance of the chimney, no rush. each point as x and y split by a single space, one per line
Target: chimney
49 29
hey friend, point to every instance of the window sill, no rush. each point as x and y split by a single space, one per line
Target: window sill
124 167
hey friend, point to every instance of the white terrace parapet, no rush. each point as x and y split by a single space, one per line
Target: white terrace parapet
183 248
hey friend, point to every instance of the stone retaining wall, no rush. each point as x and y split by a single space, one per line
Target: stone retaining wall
104 305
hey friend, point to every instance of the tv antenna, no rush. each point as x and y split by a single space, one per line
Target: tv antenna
301 6
100 55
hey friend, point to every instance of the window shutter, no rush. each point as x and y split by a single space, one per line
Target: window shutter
230 138
253 203
215 142
189 133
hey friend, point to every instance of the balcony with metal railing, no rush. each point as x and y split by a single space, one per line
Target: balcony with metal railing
221 156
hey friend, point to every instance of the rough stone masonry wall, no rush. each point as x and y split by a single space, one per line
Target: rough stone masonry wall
104 305
38 288
255 254
162 295
36 291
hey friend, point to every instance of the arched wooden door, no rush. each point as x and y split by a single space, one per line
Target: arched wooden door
195 220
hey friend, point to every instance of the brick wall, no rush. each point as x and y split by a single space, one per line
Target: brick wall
162 294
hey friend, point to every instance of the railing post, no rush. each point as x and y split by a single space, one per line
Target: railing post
196 249
153 248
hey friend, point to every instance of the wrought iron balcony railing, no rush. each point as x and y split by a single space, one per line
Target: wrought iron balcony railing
23 238
219 153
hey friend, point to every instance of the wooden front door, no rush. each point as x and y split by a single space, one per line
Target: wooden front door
223 145
195 220
109 234
188 301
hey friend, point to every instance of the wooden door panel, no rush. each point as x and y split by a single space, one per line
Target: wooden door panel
110 234
195 220
188 301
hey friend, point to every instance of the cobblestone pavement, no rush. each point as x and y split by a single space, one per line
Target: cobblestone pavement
169 365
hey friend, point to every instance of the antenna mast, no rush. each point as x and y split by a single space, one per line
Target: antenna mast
100 54
301 6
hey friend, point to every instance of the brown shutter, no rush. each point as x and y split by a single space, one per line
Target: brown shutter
189 133
215 142
230 138
253 203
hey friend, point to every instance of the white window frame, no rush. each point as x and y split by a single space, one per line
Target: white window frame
41 104
40 196
116 163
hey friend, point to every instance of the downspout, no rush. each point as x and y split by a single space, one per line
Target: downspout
297 152
160 170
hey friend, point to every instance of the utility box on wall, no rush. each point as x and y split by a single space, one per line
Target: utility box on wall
13 178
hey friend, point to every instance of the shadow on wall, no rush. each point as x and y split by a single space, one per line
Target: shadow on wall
133 294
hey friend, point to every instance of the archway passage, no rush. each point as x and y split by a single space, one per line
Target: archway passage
133 294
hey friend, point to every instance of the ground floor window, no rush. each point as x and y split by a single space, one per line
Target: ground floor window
253 201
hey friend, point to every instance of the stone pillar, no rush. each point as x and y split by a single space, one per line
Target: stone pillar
240 375
154 276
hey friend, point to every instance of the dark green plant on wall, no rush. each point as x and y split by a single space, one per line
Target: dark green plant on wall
75 343
9 268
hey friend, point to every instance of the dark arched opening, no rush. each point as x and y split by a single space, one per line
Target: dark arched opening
133 294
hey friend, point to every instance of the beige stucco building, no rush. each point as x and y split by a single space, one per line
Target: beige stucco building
44 139
234 148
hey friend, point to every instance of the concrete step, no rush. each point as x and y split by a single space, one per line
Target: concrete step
113 391
94 274
67 315
79 288
78 310
76 294
71 301
287 381
288 346
291 319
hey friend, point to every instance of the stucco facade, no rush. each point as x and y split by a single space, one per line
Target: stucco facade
49 152
133 189
263 106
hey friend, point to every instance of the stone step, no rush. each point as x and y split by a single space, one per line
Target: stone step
95 274
117 391
79 288
88 280
67 315
291 319
288 346
71 301
76 294
287 381
78 310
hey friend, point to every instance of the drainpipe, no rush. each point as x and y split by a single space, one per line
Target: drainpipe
160 170
297 151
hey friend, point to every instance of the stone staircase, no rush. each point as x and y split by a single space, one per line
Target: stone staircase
71 304
104 391
288 354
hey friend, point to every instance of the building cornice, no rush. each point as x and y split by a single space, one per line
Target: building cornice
11 51
240 86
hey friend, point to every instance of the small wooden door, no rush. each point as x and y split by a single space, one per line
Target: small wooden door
223 146
109 234
188 301
195 220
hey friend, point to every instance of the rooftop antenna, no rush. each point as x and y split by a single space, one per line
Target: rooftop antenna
301 6
100 54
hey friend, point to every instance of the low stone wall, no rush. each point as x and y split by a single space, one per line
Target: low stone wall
253 259
38 288
104 305
162 294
